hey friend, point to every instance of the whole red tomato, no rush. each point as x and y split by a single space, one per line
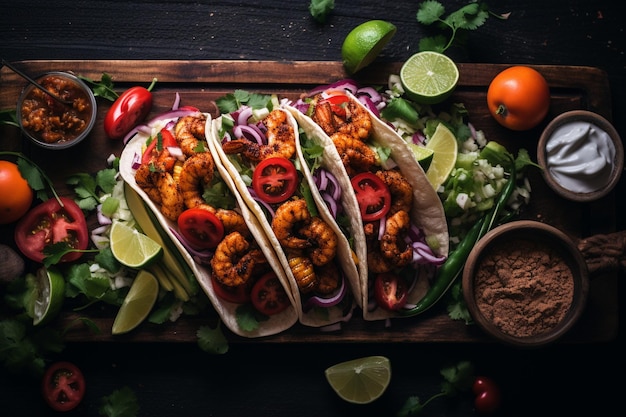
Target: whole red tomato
16 196
130 108
519 98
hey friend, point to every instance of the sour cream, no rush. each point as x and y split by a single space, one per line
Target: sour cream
579 156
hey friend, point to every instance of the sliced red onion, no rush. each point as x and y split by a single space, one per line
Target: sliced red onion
371 92
102 218
256 198
100 230
176 152
326 302
176 101
333 207
382 226
345 84
136 161
244 115
202 256
418 138
336 191
367 102
422 253
249 132
321 180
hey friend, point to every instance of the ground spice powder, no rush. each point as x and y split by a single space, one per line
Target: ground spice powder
524 287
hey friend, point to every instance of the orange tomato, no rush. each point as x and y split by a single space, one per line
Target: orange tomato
519 98
16 196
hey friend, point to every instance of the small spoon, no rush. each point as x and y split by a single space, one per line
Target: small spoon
35 83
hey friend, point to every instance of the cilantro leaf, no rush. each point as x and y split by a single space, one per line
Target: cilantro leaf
120 403
212 340
320 9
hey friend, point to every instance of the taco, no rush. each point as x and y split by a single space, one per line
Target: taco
403 233
261 149
172 167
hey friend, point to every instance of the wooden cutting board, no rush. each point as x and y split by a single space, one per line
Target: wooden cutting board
199 83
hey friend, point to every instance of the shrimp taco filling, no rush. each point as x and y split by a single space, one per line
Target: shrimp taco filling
178 173
262 146
385 195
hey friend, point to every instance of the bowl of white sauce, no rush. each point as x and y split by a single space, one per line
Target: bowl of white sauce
581 155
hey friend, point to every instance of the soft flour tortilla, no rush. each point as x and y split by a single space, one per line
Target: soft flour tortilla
427 212
226 310
312 317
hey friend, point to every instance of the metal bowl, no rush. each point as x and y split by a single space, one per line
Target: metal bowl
525 283
50 124
587 184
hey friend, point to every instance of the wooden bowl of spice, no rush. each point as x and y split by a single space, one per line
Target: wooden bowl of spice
525 283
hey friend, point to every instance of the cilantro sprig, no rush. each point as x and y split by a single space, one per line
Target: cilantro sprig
468 17
457 378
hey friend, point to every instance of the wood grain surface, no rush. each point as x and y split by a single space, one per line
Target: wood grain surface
199 83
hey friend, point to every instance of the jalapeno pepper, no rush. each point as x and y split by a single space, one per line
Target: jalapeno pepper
452 267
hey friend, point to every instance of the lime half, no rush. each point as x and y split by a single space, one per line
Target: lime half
362 380
364 43
445 147
429 77
133 248
48 294
137 304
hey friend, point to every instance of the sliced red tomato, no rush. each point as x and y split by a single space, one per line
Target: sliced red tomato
128 110
49 223
63 386
201 228
269 296
164 139
275 180
372 195
390 291
338 103
238 294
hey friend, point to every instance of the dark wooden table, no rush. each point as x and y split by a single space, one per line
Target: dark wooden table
287 378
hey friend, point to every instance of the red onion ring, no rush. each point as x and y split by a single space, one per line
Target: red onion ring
326 302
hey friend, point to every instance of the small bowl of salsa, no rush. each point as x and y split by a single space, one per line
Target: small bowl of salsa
50 123
581 154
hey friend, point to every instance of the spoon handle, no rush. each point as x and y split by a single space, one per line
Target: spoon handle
33 82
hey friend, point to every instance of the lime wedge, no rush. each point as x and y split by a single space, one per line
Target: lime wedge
47 295
137 304
364 43
132 248
362 380
445 147
429 77
423 155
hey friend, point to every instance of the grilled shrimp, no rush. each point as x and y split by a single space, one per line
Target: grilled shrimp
232 221
303 271
401 190
281 140
355 154
147 181
233 263
328 277
376 262
392 244
172 202
189 131
322 239
289 218
196 174
357 122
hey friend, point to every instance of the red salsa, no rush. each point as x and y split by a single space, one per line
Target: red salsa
53 122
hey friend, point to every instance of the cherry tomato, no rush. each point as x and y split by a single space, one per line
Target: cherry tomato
518 98
338 102
16 196
63 386
239 294
49 223
390 291
128 110
269 296
372 195
164 139
275 180
488 397
201 228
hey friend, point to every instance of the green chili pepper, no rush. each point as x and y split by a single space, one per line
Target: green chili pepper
452 267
